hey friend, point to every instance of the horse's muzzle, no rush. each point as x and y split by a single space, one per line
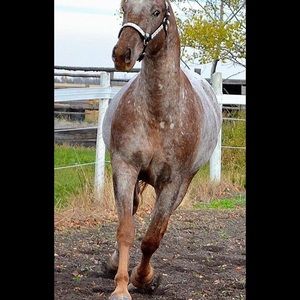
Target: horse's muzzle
123 58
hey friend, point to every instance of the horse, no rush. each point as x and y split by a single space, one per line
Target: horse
160 128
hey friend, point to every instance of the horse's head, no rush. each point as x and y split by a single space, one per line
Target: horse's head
144 30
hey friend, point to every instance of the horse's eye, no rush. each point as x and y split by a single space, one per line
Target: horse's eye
156 13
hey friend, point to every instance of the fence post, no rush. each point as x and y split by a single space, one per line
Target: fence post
215 160
100 147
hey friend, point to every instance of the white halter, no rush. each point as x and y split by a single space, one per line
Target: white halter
147 37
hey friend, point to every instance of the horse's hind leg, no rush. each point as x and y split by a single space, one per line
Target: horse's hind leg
124 180
136 197
167 201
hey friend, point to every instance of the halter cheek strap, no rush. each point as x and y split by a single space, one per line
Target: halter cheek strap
147 37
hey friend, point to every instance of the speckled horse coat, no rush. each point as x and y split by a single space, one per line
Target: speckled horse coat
160 128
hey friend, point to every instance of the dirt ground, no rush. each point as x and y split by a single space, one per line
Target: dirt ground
202 256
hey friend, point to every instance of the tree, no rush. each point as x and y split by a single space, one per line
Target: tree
215 29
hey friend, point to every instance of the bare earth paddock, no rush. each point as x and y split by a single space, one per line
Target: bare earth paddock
202 256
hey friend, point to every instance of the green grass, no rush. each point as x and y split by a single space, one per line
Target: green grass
234 160
227 203
65 155
72 181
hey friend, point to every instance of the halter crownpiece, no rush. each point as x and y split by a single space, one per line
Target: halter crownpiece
147 37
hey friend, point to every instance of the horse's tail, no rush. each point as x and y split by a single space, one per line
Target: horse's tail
140 186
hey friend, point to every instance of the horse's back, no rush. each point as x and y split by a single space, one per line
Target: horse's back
210 117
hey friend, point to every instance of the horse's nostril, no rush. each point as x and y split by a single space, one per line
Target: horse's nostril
128 56
114 53
118 54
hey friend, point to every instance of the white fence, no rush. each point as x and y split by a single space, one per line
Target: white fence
105 92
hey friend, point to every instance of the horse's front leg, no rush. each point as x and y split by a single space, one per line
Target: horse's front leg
111 266
124 180
168 198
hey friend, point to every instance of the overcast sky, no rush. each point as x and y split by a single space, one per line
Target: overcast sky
86 31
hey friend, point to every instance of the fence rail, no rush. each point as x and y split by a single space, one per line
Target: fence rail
106 92
95 73
79 94
93 69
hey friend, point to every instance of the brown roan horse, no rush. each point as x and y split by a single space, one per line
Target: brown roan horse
160 129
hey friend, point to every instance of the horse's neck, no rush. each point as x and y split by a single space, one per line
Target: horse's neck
159 79
161 72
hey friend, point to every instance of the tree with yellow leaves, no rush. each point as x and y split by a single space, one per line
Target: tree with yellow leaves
215 29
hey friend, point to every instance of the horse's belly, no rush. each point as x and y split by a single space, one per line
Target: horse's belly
211 118
207 143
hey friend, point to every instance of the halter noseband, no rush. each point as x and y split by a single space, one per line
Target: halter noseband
147 37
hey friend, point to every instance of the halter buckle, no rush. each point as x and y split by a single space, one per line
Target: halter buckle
147 38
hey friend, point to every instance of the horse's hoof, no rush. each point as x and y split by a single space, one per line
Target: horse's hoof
120 297
142 282
149 289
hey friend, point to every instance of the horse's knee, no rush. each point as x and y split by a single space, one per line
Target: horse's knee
125 232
